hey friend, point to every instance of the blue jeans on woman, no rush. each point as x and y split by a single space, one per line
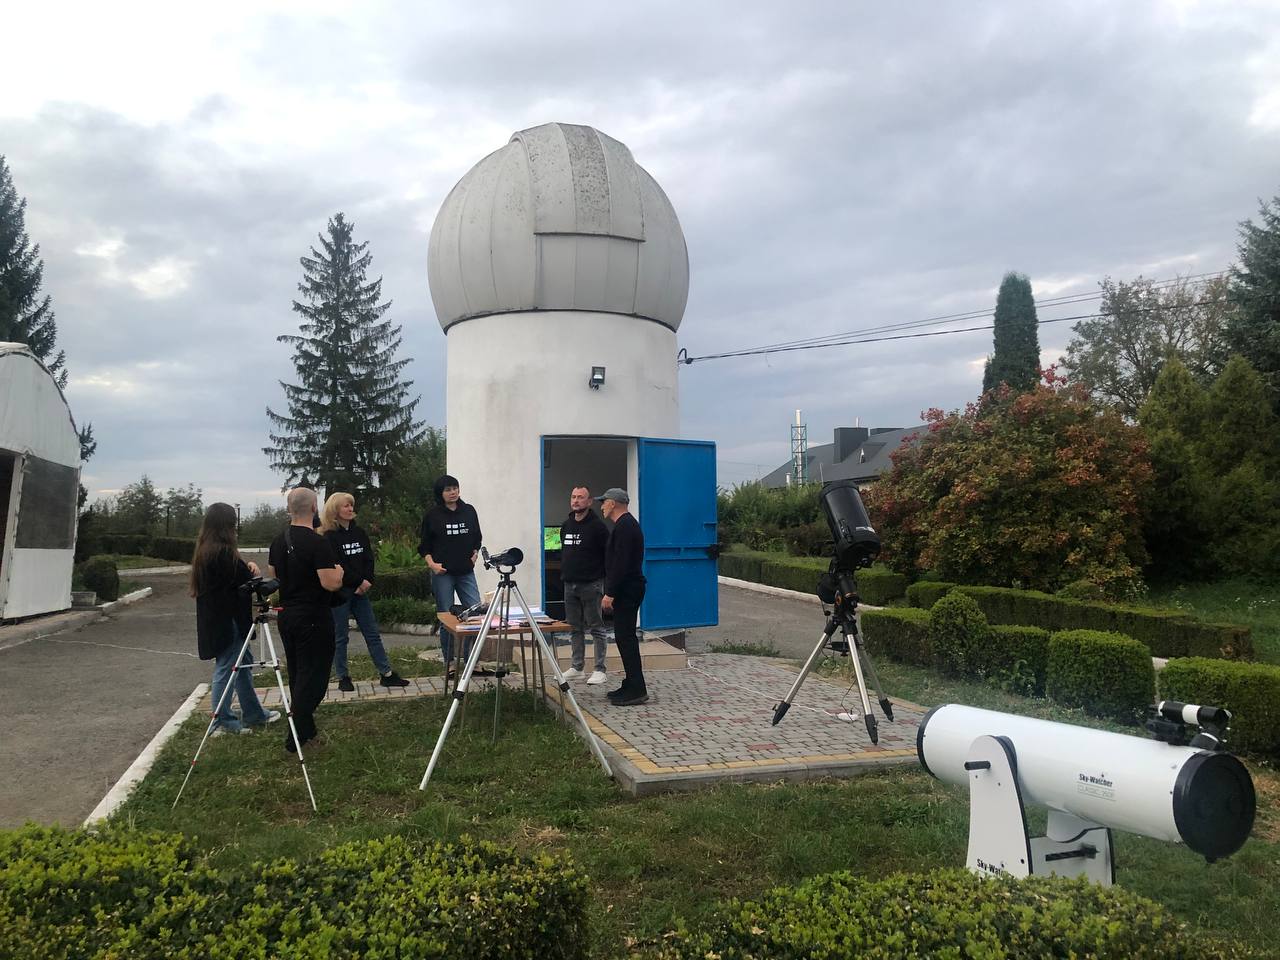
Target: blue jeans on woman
251 712
444 585
360 608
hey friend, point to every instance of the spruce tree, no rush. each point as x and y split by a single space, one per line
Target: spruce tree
1015 358
1253 328
25 316
348 412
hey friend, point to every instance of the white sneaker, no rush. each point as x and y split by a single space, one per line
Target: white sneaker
573 674
599 676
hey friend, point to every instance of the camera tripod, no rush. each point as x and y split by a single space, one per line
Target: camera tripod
499 607
838 589
266 658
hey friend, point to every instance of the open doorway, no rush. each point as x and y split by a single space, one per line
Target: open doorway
567 462
8 463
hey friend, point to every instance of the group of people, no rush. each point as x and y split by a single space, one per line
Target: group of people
326 574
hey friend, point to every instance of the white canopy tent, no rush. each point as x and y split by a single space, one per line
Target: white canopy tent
39 487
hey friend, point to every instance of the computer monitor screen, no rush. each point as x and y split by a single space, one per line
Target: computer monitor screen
550 538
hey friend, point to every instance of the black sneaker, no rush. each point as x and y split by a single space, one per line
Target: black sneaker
345 684
622 691
394 679
289 744
631 699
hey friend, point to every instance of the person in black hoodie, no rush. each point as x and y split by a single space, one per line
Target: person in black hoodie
223 620
624 586
338 526
448 542
583 537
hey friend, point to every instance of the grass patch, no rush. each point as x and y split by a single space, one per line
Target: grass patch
653 860
129 586
746 649
1255 605
404 661
124 561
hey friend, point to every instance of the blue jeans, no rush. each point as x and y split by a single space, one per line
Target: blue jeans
242 687
444 585
360 608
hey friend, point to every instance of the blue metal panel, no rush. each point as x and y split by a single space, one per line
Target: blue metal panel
677 507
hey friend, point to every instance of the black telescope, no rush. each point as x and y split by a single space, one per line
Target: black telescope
857 544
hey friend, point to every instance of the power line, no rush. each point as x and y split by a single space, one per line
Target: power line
842 339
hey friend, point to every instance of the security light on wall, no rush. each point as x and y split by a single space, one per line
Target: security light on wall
597 378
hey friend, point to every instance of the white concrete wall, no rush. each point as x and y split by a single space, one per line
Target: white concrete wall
514 378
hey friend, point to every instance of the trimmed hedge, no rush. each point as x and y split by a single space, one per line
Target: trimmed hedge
1017 659
961 637
1166 633
876 585
1251 691
900 633
179 549
945 914
145 896
398 610
925 593
128 544
1108 674
99 574
414 583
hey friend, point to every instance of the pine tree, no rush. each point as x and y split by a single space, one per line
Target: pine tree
348 412
1015 358
25 316
1253 329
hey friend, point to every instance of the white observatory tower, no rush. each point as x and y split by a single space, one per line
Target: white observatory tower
559 273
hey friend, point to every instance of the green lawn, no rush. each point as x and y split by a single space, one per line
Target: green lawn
1234 601
654 860
130 562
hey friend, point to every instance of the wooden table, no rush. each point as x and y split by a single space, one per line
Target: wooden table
514 633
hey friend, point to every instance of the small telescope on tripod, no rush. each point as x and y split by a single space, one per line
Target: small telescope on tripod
856 545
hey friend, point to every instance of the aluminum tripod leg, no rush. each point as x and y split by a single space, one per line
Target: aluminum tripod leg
851 637
781 709
213 717
463 683
269 645
885 705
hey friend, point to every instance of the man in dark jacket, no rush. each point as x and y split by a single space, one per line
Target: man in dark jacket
624 585
583 537
308 570
448 542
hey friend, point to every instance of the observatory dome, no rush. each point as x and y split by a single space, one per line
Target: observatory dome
561 218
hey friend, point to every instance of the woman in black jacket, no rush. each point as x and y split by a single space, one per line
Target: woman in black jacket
338 526
223 619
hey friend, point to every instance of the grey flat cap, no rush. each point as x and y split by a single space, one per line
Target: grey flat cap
616 494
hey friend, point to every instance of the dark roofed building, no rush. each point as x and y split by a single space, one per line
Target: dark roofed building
857 453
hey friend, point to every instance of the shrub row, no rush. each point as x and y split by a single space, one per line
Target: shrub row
99 574
144 895
394 610
1107 674
947 913
876 585
1166 633
1251 691
414 583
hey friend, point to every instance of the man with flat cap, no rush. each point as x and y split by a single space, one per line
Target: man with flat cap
623 592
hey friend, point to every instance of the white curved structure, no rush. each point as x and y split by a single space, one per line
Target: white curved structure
553 255
39 487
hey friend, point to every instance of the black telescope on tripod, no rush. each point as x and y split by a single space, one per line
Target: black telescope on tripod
856 545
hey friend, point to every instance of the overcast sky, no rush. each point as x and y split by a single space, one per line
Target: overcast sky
835 166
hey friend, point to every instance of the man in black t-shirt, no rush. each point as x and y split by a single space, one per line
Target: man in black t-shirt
307 567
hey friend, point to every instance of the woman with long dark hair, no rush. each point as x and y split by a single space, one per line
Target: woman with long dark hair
223 619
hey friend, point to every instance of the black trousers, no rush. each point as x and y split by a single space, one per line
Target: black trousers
626 610
307 634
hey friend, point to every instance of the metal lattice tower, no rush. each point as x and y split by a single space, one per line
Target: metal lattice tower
799 451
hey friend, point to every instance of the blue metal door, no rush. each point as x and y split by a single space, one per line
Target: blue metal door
677 509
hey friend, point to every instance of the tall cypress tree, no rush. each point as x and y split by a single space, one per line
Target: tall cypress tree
1253 328
348 411
1015 358
25 316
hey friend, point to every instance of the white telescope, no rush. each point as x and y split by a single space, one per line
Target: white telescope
1092 781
